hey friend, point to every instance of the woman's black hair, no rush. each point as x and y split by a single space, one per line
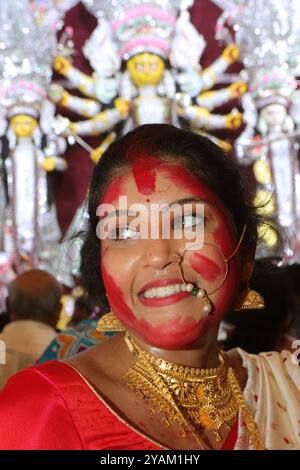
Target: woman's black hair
258 331
196 153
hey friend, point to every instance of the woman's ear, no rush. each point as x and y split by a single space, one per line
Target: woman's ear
248 250
248 299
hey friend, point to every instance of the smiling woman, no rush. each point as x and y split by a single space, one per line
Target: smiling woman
162 382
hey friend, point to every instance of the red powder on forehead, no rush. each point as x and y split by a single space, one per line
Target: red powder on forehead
144 173
186 180
115 189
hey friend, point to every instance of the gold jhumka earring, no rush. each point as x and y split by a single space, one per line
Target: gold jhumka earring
109 323
248 299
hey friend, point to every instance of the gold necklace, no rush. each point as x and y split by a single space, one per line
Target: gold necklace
193 398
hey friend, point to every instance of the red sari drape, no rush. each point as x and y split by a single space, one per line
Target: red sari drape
50 406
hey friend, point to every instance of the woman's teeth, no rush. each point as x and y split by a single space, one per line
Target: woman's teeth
158 292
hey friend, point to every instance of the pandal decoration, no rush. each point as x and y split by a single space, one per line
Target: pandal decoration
30 149
267 33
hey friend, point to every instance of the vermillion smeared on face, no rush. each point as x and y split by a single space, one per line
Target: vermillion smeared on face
115 189
207 268
144 173
174 321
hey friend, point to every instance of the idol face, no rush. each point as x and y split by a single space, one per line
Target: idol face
142 278
146 69
23 125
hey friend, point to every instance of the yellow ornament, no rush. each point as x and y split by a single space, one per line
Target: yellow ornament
23 125
97 153
66 312
146 69
262 172
72 127
233 120
49 164
64 101
237 89
201 112
265 202
231 53
61 65
268 235
122 106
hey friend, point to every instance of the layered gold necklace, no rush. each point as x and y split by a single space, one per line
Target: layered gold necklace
197 400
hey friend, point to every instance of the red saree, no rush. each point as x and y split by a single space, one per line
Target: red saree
51 407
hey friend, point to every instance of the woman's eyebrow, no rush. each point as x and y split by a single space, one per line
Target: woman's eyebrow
115 213
180 202
187 200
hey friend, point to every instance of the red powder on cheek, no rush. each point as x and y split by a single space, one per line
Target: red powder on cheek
173 334
144 173
207 268
115 297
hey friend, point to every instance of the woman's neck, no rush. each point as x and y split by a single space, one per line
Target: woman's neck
203 355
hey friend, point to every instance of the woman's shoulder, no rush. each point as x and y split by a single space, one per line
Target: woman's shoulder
277 372
273 394
35 409
48 376
284 364
284 360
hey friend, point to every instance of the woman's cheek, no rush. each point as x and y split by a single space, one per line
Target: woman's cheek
218 278
209 270
114 294
116 289
226 294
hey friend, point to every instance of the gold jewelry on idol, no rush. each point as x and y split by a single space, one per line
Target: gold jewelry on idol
248 299
109 322
202 293
195 399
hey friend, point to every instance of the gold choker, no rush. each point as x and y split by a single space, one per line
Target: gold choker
197 400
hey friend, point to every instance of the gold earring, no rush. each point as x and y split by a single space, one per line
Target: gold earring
248 299
109 322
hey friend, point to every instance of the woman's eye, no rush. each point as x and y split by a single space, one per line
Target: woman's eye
123 233
188 221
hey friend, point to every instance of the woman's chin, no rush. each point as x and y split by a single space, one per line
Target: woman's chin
177 338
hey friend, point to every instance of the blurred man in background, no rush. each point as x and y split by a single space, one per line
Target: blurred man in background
33 307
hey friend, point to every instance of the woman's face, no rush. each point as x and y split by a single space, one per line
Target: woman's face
142 276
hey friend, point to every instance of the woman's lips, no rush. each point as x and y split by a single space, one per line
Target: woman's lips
163 301
160 283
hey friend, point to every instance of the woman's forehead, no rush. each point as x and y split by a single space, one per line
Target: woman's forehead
167 182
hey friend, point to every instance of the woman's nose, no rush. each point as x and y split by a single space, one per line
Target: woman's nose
159 253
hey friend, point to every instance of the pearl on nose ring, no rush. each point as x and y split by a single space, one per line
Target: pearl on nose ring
195 290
